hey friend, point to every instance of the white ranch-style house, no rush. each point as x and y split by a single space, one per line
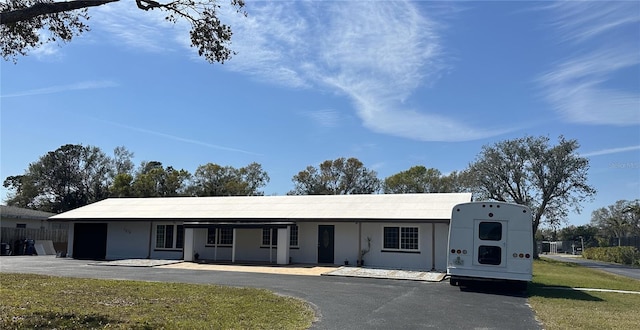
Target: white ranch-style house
406 231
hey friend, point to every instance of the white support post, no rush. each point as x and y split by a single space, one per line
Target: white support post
70 234
233 247
188 244
215 244
283 245
270 245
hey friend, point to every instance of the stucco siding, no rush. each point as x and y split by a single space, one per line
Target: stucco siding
442 246
248 246
29 223
346 243
127 240
307 244
424 258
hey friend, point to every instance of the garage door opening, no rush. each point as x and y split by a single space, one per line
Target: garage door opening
90 241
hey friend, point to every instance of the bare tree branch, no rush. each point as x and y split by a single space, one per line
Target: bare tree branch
45 8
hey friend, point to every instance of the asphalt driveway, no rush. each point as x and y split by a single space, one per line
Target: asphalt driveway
340 302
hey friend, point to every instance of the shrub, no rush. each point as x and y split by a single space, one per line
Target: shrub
627 255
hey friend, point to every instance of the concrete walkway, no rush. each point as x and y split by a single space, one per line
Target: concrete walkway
293 269
396 274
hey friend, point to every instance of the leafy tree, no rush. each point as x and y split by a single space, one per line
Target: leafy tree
254 178
22 23
419 179
23 192
215 180
122 185
338 177
546 234
64 179
122 162
618 220
550 180
586 233
155 181
456 182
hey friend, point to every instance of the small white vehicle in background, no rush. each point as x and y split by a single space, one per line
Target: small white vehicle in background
490 241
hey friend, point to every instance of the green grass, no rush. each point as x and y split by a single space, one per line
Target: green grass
572 309
36 301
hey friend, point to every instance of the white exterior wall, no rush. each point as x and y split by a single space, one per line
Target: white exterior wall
442 246
346 243
132 240
307 250
376 257
29 223
127 240
248 245
423 259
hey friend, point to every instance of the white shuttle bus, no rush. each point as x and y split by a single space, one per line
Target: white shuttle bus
490 241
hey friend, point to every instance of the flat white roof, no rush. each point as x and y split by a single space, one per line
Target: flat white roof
374 207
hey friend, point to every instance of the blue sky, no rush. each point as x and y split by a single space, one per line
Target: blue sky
394 84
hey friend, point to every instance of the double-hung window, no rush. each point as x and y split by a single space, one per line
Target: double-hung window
169 236
224 236
266 236
401 238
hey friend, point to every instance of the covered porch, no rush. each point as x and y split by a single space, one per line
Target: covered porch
263 242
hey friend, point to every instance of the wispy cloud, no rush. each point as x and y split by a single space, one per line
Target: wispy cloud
376 53
179 138
325 118
610 151
580 88
125 24
84 85
579 21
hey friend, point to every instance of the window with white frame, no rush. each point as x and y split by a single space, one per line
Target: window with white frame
224 236
266 236
169 236
401 238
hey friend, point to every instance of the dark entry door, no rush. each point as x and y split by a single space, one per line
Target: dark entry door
90 241
325 244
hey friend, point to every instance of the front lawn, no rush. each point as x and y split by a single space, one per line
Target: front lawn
573 309
36 301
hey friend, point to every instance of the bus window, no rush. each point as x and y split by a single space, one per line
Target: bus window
489 255
490 231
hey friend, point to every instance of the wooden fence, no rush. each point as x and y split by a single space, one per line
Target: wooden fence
10 235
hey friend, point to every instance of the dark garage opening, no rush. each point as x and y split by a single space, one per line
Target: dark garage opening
90 241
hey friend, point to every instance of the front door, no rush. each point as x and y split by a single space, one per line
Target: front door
325 244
